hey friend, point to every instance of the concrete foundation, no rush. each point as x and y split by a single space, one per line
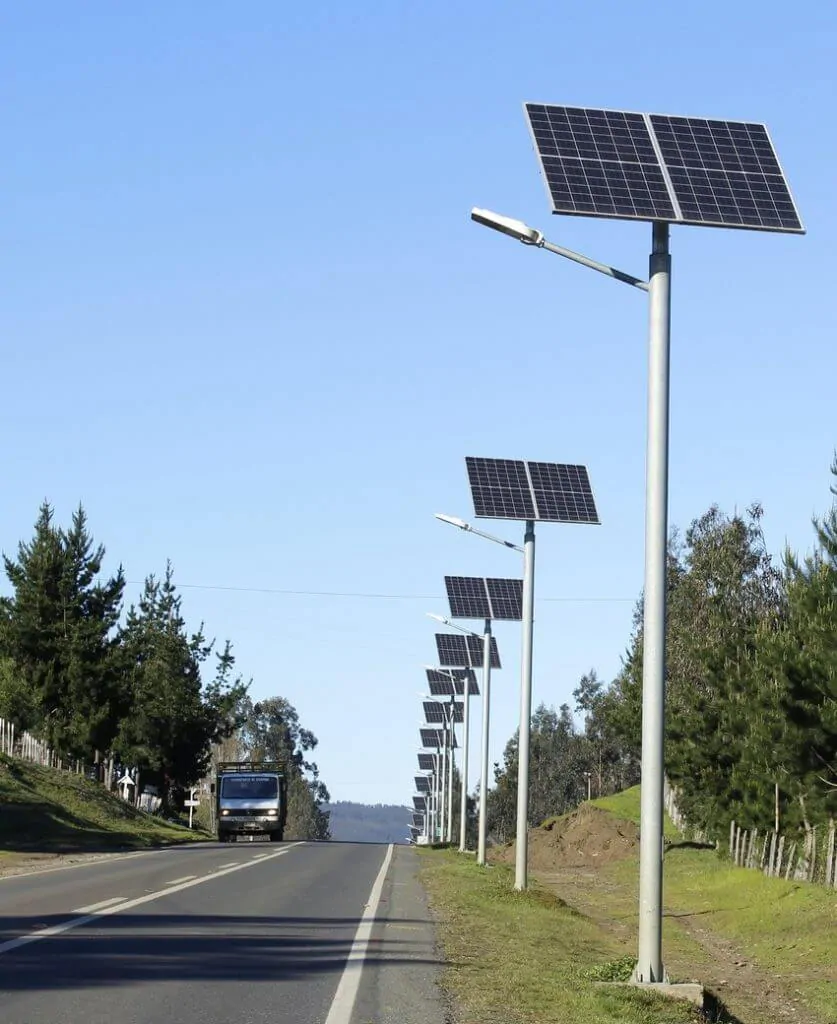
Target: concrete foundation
691 991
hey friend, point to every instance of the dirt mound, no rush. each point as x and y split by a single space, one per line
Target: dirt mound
584 838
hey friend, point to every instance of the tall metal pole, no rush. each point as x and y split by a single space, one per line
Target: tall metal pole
437 800
451 763
442 788
486 709
463 802
522 835
649 966
431 805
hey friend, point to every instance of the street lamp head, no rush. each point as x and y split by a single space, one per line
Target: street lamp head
507 226
438 618
452 520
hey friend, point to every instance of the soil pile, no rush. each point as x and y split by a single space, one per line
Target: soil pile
582 839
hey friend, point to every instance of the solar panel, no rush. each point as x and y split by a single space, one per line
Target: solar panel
419 803
473 597
422 783
434 738
445 684
506 597
689 170
437 713
418 821
425 763
550 492
456 649
725 173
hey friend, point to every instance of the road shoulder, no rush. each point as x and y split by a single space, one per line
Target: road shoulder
403 968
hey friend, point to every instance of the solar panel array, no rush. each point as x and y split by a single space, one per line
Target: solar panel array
425 763
437 713
689 170
475 597
422 783
452 681
456 649
551 492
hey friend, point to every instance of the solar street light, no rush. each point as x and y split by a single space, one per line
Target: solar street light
667 170
476 597
530 492
470 650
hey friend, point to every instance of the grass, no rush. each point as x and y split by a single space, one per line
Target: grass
528 956
765 947
789 929
625 805
43 810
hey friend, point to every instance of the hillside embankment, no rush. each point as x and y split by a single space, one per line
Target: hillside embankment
49 817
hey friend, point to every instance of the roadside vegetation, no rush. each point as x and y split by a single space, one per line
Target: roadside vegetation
751 703
764 948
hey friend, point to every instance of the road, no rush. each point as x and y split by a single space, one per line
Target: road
309 933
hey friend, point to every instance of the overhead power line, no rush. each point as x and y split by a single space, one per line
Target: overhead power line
363 594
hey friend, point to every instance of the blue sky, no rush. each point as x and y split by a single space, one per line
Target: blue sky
248 322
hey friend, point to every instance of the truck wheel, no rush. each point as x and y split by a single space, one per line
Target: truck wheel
276 837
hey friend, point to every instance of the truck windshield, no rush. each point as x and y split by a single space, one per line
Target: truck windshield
249 788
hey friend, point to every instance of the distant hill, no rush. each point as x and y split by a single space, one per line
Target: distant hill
368 823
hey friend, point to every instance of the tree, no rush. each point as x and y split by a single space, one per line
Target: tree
59 631
173 718
272 731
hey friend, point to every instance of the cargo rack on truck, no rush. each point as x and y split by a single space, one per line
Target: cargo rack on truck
252 767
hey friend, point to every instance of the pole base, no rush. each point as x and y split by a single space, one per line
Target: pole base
692 992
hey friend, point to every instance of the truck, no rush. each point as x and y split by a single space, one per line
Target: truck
251 799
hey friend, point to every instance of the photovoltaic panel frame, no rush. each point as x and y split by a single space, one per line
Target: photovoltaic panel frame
437 713
477 597
687 170
425 763
457 649
451 682
422 784
418 821
420 803
552 492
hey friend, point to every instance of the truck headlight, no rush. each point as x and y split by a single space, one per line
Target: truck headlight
272 813
224 813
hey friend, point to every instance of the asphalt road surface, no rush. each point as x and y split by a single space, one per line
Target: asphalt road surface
310 933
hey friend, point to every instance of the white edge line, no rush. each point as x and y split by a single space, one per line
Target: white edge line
99 906
344 998
177 881
78 922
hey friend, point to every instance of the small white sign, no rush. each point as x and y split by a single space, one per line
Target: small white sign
191 803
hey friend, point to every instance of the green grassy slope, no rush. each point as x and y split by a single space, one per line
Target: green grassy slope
43 810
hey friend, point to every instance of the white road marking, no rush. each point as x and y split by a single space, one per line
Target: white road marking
346 994
99 906
179 881
78 922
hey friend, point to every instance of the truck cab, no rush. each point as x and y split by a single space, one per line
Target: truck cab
250 799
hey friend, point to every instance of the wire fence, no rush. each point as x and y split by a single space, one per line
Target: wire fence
810 855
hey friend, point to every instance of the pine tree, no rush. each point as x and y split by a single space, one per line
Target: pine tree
59 631
172 720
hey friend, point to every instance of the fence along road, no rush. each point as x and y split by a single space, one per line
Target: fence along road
210 933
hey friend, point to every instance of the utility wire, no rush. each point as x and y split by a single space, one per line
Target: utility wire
359 594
